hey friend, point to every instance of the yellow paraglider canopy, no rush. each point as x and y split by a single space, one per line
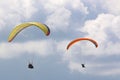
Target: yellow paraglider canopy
22 26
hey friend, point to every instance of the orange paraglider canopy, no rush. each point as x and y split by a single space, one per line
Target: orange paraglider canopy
80 39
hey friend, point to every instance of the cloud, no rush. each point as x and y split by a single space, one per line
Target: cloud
96 69
15 11
104 6
60 12
51 6
79 5
75 67
42 48
105 30
56 14
108 5
59 15
58 21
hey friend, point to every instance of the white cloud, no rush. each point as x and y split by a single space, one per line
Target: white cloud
101 69
79 5
12 12
112 6
75 67
104 29
61 46
51 5
43 48
59 20
60 11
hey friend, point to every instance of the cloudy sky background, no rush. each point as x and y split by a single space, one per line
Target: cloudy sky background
67 20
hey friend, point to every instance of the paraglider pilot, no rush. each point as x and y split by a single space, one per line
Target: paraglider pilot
83 65
30 66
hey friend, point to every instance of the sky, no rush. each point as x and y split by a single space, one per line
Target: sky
67 20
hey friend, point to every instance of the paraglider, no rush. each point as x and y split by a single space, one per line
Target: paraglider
22 26
81 39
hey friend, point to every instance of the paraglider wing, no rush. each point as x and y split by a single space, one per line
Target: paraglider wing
79 39
22 26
